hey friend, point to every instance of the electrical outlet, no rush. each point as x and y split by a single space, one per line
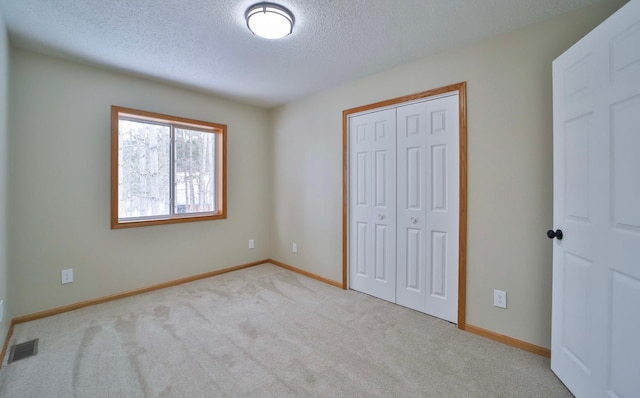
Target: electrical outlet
252 244
500 299
1 310
66 276
294 247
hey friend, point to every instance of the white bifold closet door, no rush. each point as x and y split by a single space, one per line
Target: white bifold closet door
421 257
428 207
372 204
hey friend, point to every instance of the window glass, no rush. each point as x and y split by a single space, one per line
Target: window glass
165 169
195 178
143 169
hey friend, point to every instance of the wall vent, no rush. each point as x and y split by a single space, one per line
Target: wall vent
23 350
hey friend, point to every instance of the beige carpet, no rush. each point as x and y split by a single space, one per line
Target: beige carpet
265 332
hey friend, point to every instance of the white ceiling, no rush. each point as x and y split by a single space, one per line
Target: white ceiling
205 44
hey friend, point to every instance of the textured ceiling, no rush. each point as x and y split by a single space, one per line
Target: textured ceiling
205 44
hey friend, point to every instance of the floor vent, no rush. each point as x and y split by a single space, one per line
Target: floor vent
23 350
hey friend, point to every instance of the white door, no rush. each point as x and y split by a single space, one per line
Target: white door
372 203
428 207
424 210
595 348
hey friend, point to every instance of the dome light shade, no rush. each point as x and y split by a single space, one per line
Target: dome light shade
269 20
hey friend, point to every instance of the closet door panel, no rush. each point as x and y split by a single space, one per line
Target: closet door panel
412 202
372 203
442 209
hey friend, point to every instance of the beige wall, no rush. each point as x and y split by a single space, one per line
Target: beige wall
4 72
59 187
509 173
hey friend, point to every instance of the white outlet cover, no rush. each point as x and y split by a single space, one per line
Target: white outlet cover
294 247
500 298
252 244
66 276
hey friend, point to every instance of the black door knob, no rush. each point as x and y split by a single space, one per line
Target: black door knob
554 234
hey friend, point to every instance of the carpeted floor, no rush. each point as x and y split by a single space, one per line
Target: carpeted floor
265 332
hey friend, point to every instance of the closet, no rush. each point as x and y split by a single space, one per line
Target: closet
403 203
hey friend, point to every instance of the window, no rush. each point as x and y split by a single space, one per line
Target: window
165 169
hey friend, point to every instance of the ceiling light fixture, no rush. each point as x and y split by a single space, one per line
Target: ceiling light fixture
269 20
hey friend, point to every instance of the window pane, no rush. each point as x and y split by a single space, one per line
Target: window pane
195 178
143 169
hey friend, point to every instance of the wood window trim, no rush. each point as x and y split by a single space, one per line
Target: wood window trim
461 89
221 167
